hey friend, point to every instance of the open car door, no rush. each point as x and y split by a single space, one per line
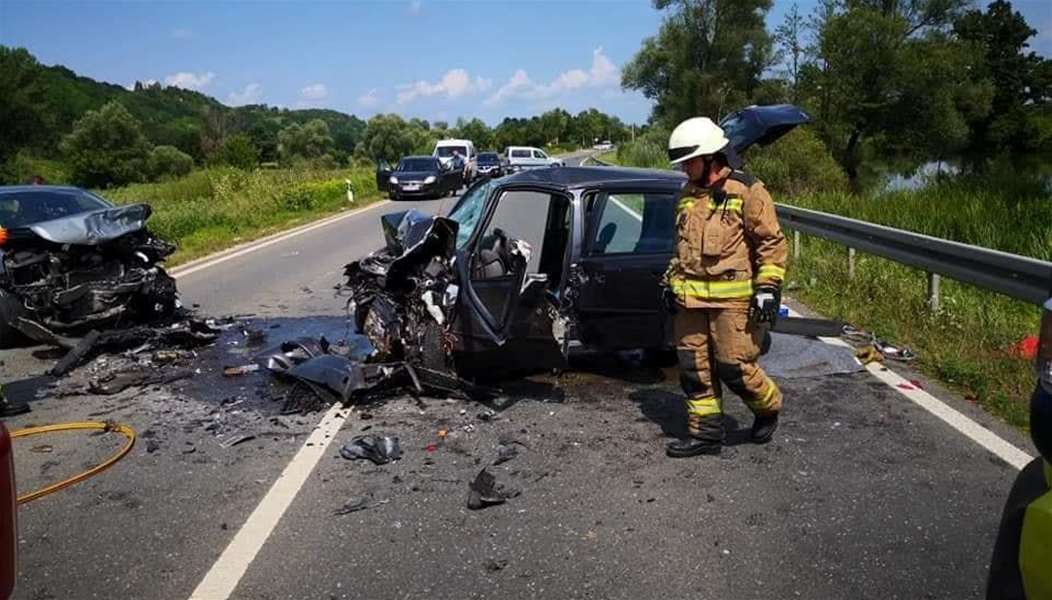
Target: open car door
509 313
628 242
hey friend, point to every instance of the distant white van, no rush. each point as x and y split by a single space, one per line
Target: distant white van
444 150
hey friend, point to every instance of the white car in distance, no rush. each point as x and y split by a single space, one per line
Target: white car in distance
528 157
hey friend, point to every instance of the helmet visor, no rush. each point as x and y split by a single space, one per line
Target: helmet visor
677 154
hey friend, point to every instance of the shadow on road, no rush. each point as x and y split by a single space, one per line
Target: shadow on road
667 410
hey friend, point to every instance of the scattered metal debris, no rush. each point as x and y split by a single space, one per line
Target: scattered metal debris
485 491
234 439
505 453
379 449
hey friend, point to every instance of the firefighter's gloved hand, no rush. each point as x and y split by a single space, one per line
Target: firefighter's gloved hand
766 301
668 300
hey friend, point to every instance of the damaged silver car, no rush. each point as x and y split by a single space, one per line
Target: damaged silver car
71 262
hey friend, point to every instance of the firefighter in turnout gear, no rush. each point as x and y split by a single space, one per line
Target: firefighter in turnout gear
723 286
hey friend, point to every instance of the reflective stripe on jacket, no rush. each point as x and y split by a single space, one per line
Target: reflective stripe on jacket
728 241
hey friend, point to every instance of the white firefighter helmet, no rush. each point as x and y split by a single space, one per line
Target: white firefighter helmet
697 136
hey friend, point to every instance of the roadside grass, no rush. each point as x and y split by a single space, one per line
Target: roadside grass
216 208
969 343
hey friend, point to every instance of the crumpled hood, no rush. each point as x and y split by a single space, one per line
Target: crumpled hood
94 227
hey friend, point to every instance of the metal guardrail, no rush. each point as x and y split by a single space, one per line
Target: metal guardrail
1019 277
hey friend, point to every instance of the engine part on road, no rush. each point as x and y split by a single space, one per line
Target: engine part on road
124 430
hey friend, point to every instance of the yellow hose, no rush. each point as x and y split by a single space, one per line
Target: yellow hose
128 432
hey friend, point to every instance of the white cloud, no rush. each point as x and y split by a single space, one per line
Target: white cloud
190 81
602 74
182 33
144 82
454 84
370 99
252 94
314 93
415 6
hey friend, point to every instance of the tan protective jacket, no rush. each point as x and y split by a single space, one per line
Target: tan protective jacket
728 241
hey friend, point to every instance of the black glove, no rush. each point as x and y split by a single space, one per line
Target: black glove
766 301
669 300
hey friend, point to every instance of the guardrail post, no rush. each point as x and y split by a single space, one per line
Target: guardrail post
796 245
850 263
933 291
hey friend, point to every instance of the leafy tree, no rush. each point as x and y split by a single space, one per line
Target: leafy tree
388 138
307 141
708 58
889 74
238 151
790 38
107 147
165 162
1020 78
23 91
477 131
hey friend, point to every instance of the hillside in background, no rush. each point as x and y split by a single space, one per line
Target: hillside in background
39 105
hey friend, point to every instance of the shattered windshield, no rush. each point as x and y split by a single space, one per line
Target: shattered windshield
468 211
19 208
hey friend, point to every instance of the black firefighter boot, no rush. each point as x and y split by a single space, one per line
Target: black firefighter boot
763 427
706 437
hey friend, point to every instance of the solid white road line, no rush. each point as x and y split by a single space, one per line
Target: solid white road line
223 577
195 266
625 208
972 430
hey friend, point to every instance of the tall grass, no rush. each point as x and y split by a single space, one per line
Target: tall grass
212 209
970 341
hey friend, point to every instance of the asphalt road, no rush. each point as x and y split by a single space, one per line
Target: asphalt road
862 495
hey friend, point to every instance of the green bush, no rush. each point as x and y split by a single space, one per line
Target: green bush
167 162
23 166
239 152
796 164
107 147
649 150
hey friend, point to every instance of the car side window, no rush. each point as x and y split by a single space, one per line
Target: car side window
634 223
539 154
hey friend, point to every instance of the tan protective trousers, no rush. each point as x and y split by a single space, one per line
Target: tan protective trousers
714 345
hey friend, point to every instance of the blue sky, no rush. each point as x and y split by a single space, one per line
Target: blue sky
425 58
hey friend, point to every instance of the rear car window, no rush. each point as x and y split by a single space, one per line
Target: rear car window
26 207
520 153
447 151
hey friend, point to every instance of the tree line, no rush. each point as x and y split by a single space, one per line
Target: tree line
98 134
883 79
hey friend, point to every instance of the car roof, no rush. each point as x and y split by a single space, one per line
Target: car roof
419 157
582 177
39 188
452 143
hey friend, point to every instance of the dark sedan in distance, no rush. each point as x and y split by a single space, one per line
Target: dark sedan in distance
490 165
422 176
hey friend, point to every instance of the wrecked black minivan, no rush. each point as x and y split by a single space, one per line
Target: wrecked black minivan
71 262
526 269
